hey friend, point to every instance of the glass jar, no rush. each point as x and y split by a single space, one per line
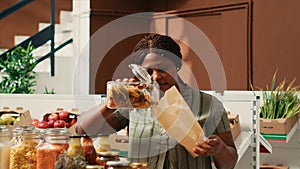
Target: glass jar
75 147
127 95
89 150
23 153
4 147
102 143
56 142
17 131
104 157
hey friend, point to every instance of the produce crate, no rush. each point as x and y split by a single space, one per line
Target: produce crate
19 116
70 119
234 125
278 166
277 126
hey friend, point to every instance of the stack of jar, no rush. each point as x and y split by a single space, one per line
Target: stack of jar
32 148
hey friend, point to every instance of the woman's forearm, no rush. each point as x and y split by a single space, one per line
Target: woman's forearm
227 159
98 120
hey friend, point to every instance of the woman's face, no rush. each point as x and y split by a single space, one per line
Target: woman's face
161 69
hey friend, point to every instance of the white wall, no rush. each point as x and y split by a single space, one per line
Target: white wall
39 104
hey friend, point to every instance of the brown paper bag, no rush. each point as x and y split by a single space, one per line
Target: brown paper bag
176 117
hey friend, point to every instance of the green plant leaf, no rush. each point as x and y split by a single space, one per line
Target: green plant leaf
18 67
278 101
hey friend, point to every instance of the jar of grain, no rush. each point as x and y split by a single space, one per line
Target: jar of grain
56 142
23 153
4 147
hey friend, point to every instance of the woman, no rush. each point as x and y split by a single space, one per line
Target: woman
148 141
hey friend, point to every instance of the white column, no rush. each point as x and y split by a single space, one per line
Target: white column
81 36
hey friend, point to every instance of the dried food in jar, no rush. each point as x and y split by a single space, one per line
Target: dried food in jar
89 150
48 154
130 95
4 146
23 155
56 143
75 147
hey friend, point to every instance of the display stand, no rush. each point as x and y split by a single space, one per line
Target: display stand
249 141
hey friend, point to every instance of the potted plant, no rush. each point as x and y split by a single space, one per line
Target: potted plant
17 69
280 108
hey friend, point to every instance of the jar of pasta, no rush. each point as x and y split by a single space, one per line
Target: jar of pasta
129 95
4 147
56 142
23 153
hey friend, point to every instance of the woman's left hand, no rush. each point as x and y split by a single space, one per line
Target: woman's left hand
212 146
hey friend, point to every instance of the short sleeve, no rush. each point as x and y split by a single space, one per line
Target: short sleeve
123 116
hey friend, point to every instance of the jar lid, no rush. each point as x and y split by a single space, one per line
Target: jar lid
117 163
30 131
94 167
109 153
140 73
57 131
136 164
4 128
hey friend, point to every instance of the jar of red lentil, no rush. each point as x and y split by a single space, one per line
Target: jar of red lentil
56 142
23 153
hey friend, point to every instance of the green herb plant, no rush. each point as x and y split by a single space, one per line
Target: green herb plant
49 91
17 68
280 101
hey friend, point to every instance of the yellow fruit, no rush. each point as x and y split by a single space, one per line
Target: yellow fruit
1 122
7 119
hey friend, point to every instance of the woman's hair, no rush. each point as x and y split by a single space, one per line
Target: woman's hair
159 44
